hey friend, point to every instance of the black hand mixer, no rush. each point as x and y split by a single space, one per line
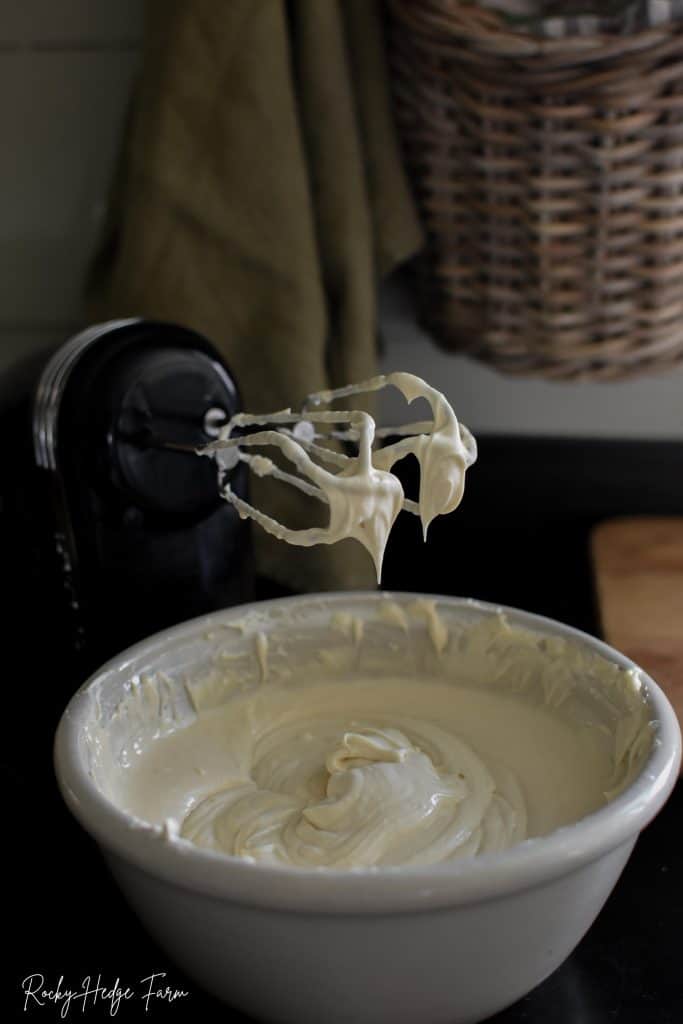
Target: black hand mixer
118 526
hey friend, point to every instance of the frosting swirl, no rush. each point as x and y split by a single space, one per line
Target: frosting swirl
377 797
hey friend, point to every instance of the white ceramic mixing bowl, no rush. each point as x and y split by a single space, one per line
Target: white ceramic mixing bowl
445 944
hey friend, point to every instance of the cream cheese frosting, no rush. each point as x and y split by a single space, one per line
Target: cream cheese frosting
381 734
381 740
346 795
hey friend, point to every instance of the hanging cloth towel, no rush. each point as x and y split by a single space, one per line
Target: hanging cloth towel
260 198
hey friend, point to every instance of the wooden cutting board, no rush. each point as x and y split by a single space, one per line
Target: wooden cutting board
638 567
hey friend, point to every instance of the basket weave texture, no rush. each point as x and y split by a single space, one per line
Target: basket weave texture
549 176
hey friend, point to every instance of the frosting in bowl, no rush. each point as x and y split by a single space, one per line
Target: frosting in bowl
320 781
394 736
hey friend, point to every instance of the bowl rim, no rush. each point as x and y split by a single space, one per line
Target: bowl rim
529 864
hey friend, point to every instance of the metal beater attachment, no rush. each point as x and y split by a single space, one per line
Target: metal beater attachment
363 494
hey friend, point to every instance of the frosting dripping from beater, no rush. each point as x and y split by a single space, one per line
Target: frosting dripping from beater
363 494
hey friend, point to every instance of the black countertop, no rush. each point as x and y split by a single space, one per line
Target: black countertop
520 538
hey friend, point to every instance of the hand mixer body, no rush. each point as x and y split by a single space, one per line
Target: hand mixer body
137 534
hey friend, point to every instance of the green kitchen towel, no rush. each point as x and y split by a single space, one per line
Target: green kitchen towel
260 198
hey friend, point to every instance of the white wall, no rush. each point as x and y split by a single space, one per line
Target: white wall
66 69
645 407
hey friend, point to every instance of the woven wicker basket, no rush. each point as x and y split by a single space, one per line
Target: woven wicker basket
549 175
